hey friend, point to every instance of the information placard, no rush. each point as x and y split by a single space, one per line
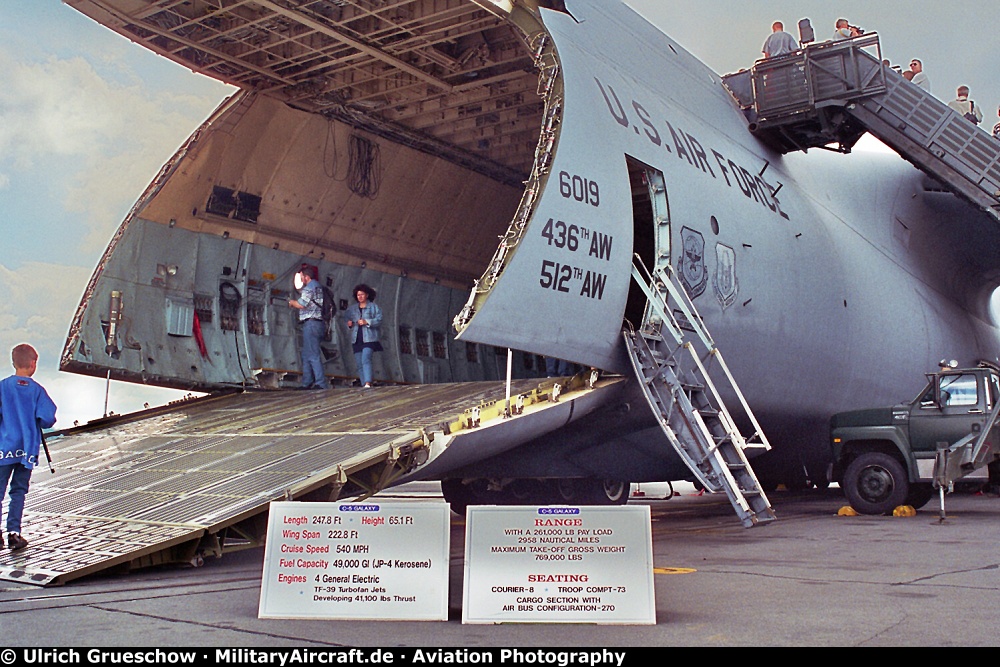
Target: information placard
559 565
372 560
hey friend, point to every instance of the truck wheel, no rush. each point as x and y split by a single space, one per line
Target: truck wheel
876 483
920 495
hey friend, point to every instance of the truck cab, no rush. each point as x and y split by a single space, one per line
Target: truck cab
885 457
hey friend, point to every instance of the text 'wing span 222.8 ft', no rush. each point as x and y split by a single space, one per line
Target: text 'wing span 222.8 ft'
640 223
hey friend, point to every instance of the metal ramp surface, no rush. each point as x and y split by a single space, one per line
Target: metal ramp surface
834 92
196 480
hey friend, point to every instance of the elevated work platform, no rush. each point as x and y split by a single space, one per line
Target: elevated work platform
196 480
831 93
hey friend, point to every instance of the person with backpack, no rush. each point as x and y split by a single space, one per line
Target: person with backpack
310 307
963 105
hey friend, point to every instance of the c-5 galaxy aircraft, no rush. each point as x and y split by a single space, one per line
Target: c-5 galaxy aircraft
645 207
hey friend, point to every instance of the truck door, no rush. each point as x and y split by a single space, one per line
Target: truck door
959 403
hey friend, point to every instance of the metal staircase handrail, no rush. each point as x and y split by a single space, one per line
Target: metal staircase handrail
687 307
656 302
686 410
687 402
694 317
730 424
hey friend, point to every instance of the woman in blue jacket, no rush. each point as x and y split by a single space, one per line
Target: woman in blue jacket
365 336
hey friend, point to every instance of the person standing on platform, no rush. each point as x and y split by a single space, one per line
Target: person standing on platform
963 105
310 307
368 317
779 42
844 30
25 409
919 77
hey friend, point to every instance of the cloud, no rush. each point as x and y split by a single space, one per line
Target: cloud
37 298
105 138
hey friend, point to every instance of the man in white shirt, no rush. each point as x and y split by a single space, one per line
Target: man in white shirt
844 30
919 77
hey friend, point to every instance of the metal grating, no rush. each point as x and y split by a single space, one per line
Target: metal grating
74 547
128 505
170 489
257 483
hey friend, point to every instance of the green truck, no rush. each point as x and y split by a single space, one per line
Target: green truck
902 455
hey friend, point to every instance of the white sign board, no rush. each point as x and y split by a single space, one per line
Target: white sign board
371 560
559 565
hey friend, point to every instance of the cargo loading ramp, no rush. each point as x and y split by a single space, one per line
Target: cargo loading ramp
196 480
831 93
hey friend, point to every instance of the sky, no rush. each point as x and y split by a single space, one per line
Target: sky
87 119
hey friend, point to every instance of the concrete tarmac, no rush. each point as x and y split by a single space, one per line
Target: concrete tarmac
812 578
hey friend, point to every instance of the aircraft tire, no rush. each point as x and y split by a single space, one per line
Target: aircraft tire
607 491
566 490
920 495
526 492
876 483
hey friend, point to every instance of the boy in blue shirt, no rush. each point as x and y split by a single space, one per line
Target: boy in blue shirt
25 408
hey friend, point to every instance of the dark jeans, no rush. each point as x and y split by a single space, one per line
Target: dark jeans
312 362
18 476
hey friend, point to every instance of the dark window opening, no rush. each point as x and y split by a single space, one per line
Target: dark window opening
203 308
405 341
423 345
255 318
440 345
222 201
229 307
229 203
247 207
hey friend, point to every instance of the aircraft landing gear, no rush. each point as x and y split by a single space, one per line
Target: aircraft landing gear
462 493
590 491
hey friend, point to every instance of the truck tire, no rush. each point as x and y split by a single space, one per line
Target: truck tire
876 483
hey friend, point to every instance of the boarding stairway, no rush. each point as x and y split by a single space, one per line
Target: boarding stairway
672 355
829 94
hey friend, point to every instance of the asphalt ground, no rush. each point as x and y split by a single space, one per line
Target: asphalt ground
812 578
